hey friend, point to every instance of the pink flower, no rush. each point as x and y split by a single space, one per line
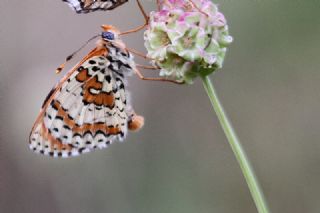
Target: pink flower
194 32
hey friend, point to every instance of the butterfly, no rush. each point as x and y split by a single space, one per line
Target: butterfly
89 109
86 6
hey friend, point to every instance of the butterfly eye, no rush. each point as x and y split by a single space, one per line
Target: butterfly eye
108 36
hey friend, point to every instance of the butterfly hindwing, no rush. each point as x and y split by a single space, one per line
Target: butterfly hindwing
86 6
87 110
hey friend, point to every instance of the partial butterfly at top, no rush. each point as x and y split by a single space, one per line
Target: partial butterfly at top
89 108
86 6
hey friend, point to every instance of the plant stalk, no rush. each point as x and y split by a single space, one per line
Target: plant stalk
237 149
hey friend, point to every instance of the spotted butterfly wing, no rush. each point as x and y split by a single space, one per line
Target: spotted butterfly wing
86 6
88 109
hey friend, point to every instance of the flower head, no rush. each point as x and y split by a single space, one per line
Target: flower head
187 38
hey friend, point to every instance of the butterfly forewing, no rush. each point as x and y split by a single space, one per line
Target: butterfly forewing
88 109
86 6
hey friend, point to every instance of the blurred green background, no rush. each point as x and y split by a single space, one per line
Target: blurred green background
180 162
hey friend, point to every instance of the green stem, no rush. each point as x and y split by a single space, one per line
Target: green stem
237 149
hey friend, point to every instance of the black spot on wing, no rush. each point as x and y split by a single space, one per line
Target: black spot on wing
108 78
92 62
95 68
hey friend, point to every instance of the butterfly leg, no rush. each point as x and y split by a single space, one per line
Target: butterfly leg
140 54
146 18
145 57
148 67
140 75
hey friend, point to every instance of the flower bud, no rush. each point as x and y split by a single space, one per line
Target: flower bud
187 39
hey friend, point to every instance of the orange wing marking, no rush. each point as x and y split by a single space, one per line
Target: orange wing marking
103 98
54 143
95 52
86 127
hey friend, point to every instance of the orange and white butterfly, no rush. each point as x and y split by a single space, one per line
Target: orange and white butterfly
86 6
88 109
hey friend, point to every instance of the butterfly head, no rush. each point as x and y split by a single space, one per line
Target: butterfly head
109 33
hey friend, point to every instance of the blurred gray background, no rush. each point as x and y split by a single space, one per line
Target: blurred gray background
180 162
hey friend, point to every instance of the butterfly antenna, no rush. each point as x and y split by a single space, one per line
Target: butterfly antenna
61 67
